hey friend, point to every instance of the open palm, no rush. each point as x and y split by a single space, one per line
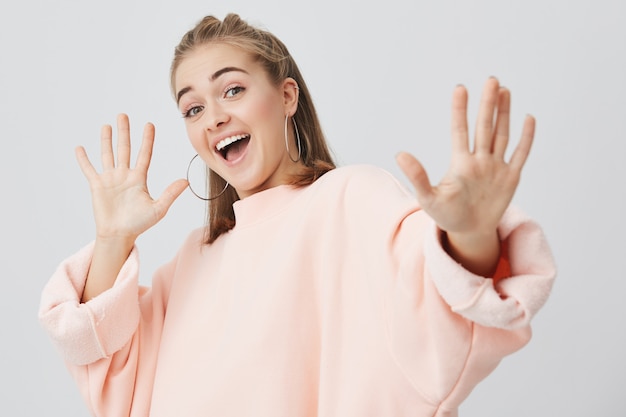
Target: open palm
479 184
122 204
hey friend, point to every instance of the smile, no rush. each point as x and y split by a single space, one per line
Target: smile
233 146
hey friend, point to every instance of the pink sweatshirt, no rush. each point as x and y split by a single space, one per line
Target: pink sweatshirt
336 299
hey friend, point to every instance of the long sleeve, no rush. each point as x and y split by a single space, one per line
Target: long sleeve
467 323
86 332
110 343
447 328
506 302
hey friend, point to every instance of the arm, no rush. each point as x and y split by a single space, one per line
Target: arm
449 328
123 207
107 327
470 200
110 343
476 320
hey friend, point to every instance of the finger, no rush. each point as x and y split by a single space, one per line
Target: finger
85 165
518 159
416 173
460 135
123 141
484 123
501 139
145 152
106 147
171 193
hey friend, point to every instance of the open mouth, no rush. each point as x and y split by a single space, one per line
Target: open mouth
233 147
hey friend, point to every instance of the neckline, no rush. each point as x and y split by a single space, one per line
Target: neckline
264 204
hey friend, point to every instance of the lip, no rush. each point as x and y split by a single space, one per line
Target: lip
234 162
217 139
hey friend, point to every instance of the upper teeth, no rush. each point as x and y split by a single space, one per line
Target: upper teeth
225 142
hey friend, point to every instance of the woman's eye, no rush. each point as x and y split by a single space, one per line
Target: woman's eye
233 91
193 111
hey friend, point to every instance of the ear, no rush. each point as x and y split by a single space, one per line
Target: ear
290 95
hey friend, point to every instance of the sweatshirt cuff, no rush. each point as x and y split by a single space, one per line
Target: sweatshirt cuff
508 302
87 332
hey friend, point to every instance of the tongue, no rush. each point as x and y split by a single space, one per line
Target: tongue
235 150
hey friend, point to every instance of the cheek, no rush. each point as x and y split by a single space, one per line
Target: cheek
269 108
196 138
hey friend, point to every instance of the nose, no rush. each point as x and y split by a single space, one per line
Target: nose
215 116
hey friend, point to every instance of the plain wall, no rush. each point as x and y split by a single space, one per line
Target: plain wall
381 75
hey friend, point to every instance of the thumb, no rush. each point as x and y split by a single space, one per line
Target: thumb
171 193
416 173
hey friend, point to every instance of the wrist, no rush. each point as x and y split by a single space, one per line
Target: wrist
109 255
478 252
473 240
113 239
115 247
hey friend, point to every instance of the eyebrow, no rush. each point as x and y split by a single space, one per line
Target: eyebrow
213 77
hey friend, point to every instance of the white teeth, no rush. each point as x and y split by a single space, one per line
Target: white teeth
225 142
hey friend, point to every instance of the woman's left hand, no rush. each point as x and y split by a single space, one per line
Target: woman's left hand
471 198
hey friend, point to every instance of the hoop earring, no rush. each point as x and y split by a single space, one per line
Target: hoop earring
196 194
297 137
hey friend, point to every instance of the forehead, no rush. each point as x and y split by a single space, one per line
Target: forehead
205 60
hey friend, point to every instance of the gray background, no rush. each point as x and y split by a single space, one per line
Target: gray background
381 74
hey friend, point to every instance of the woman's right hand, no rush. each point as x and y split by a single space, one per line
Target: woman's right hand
123 207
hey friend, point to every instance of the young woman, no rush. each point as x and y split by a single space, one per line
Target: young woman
313 290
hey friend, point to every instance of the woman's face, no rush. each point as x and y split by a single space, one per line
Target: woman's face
235 116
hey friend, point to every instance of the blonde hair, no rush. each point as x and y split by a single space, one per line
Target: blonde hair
274 57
